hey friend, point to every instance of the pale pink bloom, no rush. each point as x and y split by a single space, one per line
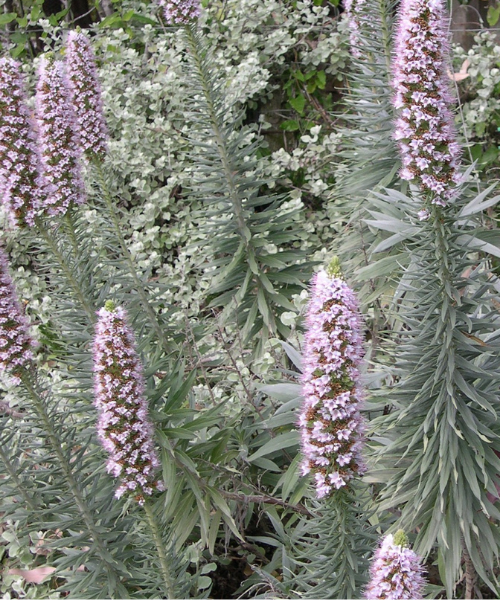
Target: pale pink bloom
396 573
424 128
85 92
21 184
124 428
330 422
16 343
59 147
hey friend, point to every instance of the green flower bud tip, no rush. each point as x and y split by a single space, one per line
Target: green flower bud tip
334 269
110 306
401 539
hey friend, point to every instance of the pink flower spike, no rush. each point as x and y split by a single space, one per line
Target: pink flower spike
396 572
16 343
180 12
21 184
85 92
330 422
123 428
424 128
58 141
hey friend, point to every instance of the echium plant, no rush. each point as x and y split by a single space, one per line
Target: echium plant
441 425
396 571
424 128
330 422
337 540
85 93
124 428
59 147
21 184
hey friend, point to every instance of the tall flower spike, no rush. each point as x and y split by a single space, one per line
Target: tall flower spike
86 96
58 141
21 184
330 423
16 343
180 12
424 128
396 572
123 426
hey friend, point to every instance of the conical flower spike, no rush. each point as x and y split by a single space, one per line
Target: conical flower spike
21 184
124 427
424 128
86 96
58 140
180 12
330 422
16 343
396 572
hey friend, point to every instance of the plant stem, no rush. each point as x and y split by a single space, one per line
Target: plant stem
139 286
67 270
155 531
67 470
470 576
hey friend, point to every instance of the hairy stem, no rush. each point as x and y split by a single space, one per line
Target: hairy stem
162 555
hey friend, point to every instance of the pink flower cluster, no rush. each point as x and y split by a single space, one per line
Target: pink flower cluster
355 15
86 96
21 184
396 572
58 142
180 12
424 128
330 423
123 428
16 343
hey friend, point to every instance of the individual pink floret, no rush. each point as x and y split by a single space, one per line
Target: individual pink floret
330 422
85 92
425 129
21 184
16 343
124 428
59 146
396 572
180 12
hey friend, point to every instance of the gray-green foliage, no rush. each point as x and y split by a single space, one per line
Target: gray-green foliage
441 432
